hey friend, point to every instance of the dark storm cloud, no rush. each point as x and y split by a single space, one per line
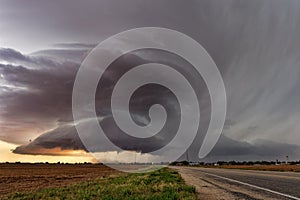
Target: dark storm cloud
255 45
228 149
66 138
33 98
42 97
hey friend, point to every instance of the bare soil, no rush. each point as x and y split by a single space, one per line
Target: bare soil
31 177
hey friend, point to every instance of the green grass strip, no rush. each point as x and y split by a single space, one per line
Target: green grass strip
162 184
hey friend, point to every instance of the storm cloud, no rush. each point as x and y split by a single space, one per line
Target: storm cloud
33 98
65 137
255 45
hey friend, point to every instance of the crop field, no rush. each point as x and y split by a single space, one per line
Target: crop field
26 181
31 177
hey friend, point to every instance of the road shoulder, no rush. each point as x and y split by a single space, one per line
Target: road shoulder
204 189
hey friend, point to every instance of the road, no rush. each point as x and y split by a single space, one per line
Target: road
212 183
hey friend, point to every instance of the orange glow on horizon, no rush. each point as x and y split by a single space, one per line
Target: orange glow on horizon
56 155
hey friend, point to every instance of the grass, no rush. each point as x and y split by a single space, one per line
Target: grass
162 184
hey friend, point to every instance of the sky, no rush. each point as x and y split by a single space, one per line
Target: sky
254 44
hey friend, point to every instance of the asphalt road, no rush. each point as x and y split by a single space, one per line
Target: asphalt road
243 184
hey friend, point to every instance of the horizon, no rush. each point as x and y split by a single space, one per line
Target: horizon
256 57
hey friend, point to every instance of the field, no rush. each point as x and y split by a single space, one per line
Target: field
89 182
282 168
31 177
